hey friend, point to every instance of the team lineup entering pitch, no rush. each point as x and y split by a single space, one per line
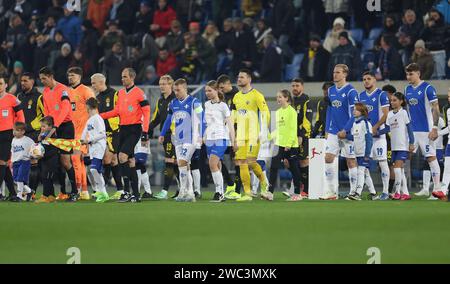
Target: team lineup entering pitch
96 135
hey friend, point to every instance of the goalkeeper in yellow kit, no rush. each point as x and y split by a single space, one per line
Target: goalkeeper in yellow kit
252 117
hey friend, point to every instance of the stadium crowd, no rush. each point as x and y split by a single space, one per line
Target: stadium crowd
201 39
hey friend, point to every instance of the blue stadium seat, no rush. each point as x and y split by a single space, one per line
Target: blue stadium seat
375 33
357 35
367 45
291 71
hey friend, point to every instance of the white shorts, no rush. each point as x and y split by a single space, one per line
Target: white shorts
427 147
334 145
185 151
379 149
97 150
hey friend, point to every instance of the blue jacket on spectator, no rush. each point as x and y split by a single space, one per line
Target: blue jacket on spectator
70 27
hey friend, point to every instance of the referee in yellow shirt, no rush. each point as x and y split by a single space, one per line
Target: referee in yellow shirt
252 117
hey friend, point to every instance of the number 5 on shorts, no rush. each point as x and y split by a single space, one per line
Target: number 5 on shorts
427 148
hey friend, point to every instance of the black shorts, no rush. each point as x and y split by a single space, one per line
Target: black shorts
169 149
66 131
129 137
113 139
303 150
230 151
6 138
291 155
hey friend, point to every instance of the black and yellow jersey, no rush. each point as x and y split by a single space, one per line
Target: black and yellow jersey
106 102
230 96
33 109
160 114
301 105
321 116
248 110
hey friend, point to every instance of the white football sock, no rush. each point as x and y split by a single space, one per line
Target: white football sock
145 179
329 175
3 189
91 180
404 183
353 177
446 177
369 181
435 175
255 182
218 181
27 189
360 180
139 174
398 179
197 180
99 181
385 175
20 189
184 180
426 179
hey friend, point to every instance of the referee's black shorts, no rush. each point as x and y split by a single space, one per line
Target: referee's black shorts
66 131
6 138
128 138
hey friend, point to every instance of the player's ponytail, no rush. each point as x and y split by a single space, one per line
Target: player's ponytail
215 86
286 94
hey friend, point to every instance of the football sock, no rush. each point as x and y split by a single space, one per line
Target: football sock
134 181
245 178
398 179
237 179
446 178
385 175
259 173
226 175
9 181
71 175
426 179
218 181
184 179
329 174
404 183
115 170
197 179
368 180
360 179
435 175
125 172
353 177
304 175
107 172
99 181
169 172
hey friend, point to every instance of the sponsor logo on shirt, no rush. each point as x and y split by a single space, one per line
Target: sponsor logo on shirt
413 101
336 103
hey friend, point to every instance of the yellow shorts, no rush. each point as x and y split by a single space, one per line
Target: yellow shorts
247 150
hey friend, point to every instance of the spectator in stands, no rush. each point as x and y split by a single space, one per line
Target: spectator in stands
162 18
211 33
23 8
122 13
189 59
70 26
166 62
42 52
243 47
332 39
283 25
98 12
411 27
49 27
88 46
57 43
15 37
315 62
272 62
346 54
174 39
251 8
223 46
206 53
390 27
194 29
423 58
80 60
114 63
144 18
436 35
389 61
14 80
26 52
336 9
111 36
150 77
62 63
149 49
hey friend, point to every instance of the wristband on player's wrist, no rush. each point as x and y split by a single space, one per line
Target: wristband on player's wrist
435 127
144 136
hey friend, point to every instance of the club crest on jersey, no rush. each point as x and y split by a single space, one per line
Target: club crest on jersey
369 108
336 103
130 108
90 127
242 112
413 101
108 102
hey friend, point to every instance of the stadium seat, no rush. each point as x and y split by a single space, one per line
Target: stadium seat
367 45
375 33
291 71
357 35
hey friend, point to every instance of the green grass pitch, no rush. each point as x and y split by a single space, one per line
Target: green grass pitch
259 232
